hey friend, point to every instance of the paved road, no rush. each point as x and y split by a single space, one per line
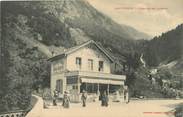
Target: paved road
145 108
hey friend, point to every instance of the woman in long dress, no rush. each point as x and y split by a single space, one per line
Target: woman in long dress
66 100
104 99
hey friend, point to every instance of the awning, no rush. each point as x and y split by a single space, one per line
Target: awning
102 81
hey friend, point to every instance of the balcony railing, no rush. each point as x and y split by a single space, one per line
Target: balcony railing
95 75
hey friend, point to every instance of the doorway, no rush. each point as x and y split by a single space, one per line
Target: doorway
59 86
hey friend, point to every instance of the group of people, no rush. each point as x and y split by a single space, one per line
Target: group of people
103 97
66 99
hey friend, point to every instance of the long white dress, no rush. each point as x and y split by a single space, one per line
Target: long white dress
116 97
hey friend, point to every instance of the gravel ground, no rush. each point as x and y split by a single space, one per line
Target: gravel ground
136 108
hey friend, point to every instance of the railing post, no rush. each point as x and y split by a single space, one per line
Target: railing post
108 89
98 89
78 85
85 86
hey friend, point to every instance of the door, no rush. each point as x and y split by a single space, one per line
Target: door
74 95
59 86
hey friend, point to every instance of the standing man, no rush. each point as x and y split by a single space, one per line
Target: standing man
84 97
55 96
126 95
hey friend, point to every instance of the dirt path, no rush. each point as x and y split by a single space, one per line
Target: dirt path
145 108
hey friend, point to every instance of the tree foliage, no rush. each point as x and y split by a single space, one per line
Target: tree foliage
165 48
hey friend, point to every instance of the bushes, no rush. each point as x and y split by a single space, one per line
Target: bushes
169 93
140 85
19 73
16 98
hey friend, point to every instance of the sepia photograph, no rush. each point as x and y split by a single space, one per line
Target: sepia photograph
91 58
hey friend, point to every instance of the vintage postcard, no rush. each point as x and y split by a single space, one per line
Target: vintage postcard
91 58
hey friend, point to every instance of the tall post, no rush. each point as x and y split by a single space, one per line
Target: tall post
108 89
92 87
122 94
79 85
86 87
98 89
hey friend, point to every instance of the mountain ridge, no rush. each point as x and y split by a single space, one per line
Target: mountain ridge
76 11
165 49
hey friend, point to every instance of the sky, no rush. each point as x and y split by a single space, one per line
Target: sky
150 16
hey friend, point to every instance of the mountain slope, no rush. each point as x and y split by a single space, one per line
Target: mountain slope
135 34
165 49
64 24
82 15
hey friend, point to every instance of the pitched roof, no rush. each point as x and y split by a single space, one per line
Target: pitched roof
75 48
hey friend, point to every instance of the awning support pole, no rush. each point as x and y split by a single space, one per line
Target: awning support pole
92 88
108 89
98 88
79 85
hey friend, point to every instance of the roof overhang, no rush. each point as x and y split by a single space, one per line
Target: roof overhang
56 57
73 49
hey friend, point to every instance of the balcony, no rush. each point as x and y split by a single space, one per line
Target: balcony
96 76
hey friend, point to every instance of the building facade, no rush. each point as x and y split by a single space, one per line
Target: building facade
84 67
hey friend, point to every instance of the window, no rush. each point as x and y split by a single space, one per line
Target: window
101 66
57 68
90 64
72 80
78 62
74 87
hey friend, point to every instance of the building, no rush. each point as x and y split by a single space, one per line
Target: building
84 67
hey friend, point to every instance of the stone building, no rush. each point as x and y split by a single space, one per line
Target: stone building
84 67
